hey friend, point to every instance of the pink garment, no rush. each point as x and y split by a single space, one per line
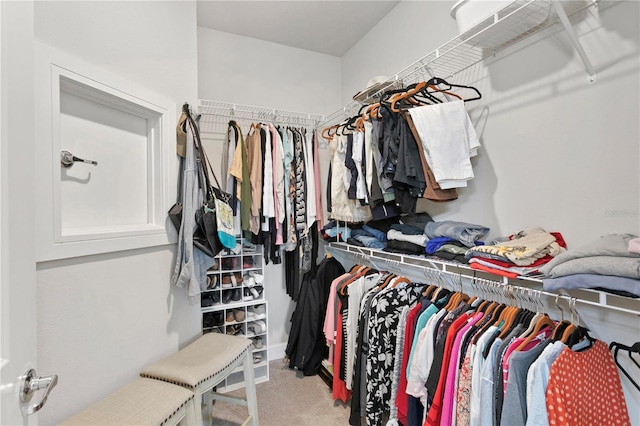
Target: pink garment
449 390
634 245
543 335
329 328
316 172
402 399
463 393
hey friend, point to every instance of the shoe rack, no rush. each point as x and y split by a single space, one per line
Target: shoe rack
232 302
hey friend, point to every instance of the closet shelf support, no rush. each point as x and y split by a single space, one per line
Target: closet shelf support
564 19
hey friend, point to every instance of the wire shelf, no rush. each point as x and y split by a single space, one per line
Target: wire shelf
409 264
214 113
515 22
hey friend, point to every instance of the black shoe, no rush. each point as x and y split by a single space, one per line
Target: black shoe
218 318
207 320
246 294
258 289
215 297
226 296
236 295
212 319
206 299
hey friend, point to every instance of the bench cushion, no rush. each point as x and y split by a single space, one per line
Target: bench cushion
141 402
198 362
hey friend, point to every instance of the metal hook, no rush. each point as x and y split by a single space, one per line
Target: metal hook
559 308
574 309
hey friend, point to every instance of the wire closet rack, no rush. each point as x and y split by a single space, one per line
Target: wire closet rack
214 113
409 265
506 27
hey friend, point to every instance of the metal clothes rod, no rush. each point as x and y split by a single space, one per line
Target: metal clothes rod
439 270
209 110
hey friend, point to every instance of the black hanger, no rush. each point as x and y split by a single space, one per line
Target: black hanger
436 81
619 346
578 335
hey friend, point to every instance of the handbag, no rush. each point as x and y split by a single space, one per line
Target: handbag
209 246
224 218
216 214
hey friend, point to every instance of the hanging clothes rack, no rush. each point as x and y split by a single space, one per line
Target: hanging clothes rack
214 113
416 267
469 49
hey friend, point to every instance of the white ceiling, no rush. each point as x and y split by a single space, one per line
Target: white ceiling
330 27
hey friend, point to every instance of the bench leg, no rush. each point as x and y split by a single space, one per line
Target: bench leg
197 408
250 389
189 418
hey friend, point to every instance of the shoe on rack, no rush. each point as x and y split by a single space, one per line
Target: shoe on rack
249 281
206 300
246 295
247 262
226 296
257 327
237 279
215 296
228 264
239 315
248 248
218 318
212 281
257 312
257 342
261 311
226 281
230 317
256 291
236 294
258 278
212 319
257 358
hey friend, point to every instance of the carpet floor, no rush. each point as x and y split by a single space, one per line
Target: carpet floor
288 398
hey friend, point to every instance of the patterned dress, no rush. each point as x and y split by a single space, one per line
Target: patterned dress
382 328
584 389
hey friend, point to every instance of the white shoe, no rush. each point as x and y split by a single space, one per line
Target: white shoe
259 279
257 312
256 327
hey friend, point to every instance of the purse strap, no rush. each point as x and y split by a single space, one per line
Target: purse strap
204 166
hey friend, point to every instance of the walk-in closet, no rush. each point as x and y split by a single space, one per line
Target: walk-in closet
320 212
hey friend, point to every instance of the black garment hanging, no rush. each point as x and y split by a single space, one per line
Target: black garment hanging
306 347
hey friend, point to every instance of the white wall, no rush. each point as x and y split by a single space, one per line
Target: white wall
248 71
102 318
556 152
411 30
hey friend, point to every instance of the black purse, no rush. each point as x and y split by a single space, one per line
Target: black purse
205 234
206 215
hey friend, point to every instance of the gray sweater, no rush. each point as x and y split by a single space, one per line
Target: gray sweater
608 255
